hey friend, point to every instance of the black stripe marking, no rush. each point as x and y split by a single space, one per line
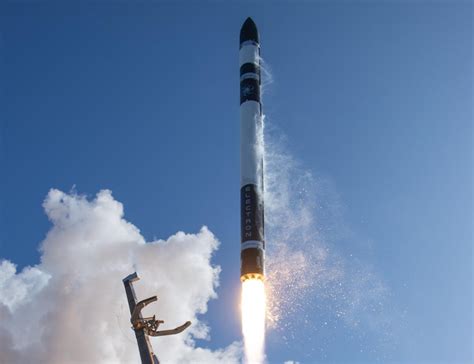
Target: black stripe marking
249 68
251 215
252 261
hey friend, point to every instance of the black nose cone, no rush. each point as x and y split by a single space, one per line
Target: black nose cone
249 31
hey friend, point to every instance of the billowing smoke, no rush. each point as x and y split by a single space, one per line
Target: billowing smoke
313 286
72 307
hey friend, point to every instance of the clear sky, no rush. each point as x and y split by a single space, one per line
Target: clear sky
143 99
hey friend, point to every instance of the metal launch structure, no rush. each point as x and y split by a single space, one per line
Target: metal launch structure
145 326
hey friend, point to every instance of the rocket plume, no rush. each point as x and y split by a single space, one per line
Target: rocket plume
253 308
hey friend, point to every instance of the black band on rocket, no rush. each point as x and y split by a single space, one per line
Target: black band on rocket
249 68
251 219
252 262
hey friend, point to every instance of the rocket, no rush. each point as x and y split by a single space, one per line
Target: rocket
252 253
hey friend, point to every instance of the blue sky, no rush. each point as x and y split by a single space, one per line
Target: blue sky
142 99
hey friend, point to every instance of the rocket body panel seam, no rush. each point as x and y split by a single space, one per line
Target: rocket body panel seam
252 244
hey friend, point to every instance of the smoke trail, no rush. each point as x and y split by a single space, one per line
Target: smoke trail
311 285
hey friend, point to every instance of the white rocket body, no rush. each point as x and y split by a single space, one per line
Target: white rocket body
251 155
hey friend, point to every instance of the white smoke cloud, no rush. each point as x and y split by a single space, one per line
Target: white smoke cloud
71 308
18 288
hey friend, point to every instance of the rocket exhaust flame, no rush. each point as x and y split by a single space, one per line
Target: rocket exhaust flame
253 306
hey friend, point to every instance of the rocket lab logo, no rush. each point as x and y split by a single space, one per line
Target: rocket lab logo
248 90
